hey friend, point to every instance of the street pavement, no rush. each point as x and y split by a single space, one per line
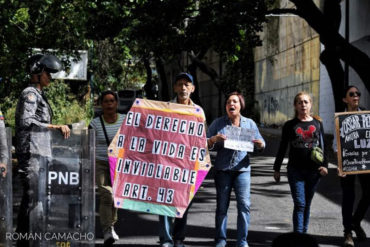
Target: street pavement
271 211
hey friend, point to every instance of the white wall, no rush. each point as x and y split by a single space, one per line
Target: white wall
359 12
326 106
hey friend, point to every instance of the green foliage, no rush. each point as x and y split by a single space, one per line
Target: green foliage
45 24
239 75
114 68
121 35
65 106
8 109
21 18
225 26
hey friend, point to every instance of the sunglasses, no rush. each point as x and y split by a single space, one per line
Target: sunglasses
354 94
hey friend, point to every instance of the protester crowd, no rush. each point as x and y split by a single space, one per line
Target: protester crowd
302 136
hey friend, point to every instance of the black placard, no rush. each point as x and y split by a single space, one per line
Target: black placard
353 141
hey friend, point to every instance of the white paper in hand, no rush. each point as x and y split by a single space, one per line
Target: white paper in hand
238 138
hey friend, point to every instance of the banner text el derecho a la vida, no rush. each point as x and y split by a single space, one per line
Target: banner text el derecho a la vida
159 157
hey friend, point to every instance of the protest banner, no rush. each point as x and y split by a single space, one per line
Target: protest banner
353 141
159 157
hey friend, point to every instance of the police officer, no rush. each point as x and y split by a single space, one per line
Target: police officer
33 120
3 147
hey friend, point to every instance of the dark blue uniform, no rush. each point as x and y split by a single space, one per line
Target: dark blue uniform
32 118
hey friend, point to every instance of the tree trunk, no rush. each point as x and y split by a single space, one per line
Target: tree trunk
336 75
196 62
338 48
332 40
195 96
205 68
162 75
148 87
332 13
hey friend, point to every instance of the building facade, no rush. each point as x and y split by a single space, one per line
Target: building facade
286 63
289 62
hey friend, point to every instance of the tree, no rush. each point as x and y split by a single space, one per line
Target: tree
230 29
44 24
54 25
148 34
326 24
111 63
156 36
65 27
163 30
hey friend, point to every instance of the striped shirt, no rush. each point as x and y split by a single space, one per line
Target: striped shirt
3 141
101 143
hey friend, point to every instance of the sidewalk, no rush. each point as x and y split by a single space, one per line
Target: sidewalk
271 210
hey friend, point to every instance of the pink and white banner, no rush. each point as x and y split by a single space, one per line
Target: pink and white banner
159 157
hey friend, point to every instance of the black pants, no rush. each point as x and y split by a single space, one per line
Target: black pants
29 173
348 200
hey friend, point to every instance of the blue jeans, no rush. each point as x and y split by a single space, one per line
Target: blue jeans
303 184
348 199
225 182
170 231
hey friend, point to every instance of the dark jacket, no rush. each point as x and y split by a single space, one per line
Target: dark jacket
32 117
301 137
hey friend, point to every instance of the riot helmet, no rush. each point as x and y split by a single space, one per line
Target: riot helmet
39 62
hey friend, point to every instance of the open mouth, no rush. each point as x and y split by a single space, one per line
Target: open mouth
232 109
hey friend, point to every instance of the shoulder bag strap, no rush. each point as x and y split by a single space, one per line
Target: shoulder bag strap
322 142
104 130
321 137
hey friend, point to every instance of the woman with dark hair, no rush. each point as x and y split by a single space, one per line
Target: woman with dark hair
232 169
302 134
106 127
352 219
